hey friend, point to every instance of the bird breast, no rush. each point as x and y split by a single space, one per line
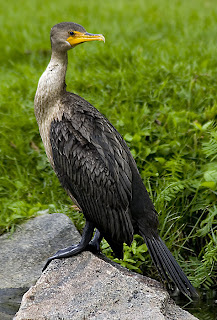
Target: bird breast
44 124
48 97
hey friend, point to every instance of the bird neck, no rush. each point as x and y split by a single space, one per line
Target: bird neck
51 85
55 73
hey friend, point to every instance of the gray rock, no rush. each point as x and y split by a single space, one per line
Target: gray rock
24 253
87 287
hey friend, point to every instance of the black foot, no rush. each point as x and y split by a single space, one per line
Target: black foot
75 249
63 253
93 248
94 244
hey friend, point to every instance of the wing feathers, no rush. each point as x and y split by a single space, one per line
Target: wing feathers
91 167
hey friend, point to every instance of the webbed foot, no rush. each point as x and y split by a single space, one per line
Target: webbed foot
74 249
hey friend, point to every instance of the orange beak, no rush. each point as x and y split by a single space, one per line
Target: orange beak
79 37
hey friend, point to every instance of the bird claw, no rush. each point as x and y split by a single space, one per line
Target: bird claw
85 244
47 263
58 255
93 247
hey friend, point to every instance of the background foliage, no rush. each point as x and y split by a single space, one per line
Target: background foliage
155 80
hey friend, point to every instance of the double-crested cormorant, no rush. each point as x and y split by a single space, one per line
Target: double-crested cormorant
95 166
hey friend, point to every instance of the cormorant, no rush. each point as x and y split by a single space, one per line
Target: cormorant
95 166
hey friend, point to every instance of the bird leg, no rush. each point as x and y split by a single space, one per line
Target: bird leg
94 244
74 249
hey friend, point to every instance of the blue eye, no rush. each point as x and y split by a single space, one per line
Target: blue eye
71 33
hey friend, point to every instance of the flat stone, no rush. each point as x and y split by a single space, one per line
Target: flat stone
24 253
89 287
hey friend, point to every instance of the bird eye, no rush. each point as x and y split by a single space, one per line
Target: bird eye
71 33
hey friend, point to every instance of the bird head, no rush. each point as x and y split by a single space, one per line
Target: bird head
66 35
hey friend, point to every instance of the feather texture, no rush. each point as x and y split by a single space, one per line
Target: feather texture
93 167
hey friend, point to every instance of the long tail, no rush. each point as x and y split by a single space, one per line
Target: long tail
167 265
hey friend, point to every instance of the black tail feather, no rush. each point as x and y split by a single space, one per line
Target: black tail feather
167 265
156 260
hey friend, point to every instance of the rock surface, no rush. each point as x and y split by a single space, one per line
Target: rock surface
24 253
81 287
88 287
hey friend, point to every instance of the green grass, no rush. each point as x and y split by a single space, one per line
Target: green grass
156 80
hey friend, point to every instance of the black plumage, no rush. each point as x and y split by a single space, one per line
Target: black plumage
92 162
95 166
